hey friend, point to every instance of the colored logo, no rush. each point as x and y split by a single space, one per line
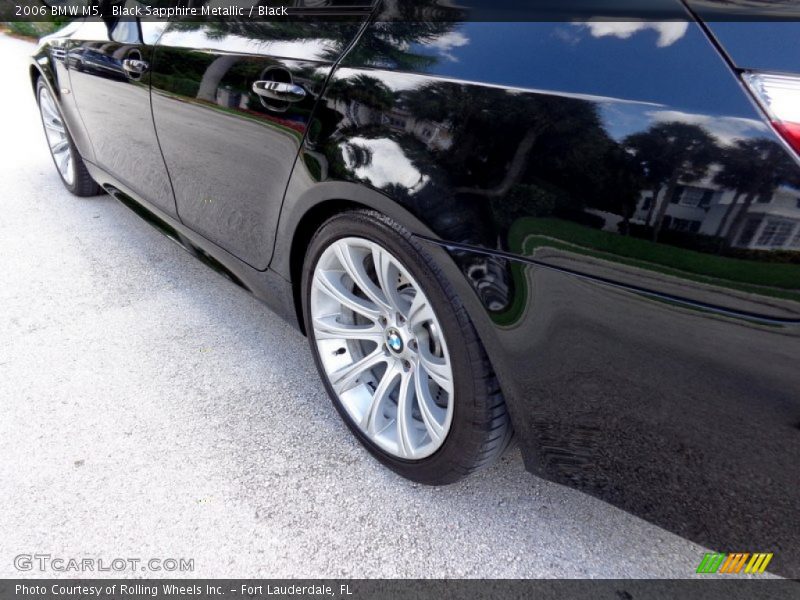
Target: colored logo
734 562
394 340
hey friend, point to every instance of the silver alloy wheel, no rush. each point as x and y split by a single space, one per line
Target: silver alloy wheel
382 348
57 137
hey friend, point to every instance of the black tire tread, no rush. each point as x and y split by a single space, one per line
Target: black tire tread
85 185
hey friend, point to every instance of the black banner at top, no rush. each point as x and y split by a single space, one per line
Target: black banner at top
407 10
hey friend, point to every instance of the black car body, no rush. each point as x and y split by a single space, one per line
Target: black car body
609 200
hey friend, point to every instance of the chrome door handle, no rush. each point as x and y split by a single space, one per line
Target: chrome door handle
278 90
135 67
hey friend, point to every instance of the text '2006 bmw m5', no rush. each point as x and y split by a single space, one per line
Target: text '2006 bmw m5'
581 232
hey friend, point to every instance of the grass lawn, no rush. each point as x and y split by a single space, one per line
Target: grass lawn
770 279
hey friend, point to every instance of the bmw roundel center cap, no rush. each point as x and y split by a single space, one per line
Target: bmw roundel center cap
394 341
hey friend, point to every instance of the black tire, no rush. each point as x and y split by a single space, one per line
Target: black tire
481 429
82 185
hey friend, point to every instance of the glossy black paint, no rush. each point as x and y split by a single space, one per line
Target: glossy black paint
619 219
244 144
759 46
114 108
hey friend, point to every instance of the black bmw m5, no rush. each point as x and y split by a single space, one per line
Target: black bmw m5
581 233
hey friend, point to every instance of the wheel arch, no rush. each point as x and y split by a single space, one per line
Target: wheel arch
305 229
41 68
34 73
304 216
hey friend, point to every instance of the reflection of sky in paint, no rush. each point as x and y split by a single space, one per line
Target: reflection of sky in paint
668 32
308 49
643 63
388 164
650 63
622 120
448 42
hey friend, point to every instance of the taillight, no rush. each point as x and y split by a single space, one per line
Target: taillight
779 96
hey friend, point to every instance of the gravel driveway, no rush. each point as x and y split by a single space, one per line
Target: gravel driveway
151 409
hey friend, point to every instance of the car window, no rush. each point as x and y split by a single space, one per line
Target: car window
133 31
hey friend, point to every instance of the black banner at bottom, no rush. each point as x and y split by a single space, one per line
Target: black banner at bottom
391 589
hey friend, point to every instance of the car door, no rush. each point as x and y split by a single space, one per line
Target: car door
232 102
109 64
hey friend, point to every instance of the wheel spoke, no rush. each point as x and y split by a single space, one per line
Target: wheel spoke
404 404
388 274
420 311
329 328
385 387
354 267
52 126
49 110
330 282
62 162
346 377
60 146
427 407
437 368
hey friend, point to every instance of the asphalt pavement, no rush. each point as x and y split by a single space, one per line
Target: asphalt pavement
151 409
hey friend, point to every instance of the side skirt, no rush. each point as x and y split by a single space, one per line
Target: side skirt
268 286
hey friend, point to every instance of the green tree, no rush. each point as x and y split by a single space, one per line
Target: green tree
362 88
668 153
497 133
754 168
